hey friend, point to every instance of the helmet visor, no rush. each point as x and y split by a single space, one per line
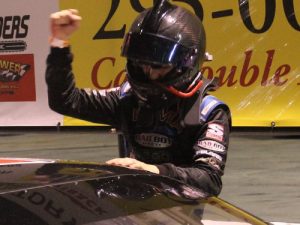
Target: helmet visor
156 49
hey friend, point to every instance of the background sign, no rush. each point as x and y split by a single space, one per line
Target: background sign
24 33
17 78
254 44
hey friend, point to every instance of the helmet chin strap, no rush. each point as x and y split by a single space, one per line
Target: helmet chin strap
190 91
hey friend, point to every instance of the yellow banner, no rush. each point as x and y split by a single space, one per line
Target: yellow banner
254 43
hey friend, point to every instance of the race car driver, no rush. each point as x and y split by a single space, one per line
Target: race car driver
171 125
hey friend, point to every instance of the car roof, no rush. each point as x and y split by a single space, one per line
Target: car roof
45 191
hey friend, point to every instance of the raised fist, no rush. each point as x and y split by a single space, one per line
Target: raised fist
64 23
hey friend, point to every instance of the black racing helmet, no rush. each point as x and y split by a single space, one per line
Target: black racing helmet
165 35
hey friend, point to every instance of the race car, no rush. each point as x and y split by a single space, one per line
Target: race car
60 192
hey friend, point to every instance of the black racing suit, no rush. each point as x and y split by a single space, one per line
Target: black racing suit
187 140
